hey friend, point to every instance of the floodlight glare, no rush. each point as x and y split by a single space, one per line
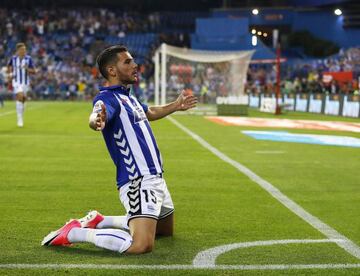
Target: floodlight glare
259 33
255 11
253 31
265 34
254 40
338 12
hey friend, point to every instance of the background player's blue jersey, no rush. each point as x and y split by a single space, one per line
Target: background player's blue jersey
128 135
20 74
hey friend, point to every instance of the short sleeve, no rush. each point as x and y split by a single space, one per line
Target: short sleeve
110 109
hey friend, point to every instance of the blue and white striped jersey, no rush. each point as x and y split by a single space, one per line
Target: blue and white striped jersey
20 74
128 135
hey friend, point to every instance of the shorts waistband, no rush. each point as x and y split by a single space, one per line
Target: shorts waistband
153 175
147 176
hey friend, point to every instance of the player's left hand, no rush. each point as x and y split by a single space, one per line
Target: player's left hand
186 100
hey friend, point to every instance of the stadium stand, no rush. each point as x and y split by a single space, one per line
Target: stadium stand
64 43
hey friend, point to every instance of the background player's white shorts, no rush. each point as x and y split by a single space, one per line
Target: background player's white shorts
20 88
147 196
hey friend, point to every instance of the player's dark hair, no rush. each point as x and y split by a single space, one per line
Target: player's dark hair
19 45
108 56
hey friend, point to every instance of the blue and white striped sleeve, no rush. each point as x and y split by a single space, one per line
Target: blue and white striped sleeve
110 109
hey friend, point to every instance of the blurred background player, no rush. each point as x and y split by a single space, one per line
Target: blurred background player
20 66
124 123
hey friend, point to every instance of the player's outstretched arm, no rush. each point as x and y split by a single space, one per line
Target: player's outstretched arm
97 119
184 102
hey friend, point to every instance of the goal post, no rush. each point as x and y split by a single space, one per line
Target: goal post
215 77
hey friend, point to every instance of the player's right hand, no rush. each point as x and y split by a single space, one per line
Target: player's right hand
101 119
97 120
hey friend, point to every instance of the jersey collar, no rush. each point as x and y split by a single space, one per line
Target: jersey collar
119 88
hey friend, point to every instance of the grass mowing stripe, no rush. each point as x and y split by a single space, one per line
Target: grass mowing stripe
179 267
325 229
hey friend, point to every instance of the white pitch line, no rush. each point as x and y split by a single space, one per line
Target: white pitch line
289 266
322 227
7 113
27 108
207 258
179 267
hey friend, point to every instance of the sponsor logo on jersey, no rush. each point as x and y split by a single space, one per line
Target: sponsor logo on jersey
139 115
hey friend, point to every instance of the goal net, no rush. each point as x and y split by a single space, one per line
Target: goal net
212 76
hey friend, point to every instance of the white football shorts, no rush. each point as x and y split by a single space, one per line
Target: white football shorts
147 196
17 87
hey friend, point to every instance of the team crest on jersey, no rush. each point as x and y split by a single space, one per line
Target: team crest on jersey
139 115
97 106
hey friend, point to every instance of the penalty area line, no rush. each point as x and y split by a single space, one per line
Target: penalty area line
315 222
179 267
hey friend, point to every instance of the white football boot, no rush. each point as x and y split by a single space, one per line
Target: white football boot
92 219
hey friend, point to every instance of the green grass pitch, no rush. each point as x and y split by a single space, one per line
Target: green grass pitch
56 168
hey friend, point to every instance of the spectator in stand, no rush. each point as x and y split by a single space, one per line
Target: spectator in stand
64 43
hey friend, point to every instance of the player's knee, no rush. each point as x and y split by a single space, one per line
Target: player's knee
147 248
143 247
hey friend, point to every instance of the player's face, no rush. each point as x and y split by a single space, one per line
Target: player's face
21 51
126 68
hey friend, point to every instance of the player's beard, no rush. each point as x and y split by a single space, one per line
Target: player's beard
128 79
132 80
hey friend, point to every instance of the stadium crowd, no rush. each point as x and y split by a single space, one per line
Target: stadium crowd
308 76
64 44
210 80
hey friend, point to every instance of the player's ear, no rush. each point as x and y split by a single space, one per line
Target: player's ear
111 71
